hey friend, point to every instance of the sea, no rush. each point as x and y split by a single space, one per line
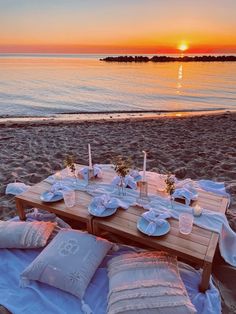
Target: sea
53 84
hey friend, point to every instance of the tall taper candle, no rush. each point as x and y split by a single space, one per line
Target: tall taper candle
144 165
90 157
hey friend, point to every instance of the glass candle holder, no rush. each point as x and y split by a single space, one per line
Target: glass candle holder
90 176
197 210
90 173
143 192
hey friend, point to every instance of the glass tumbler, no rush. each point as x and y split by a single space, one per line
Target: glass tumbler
185 223
69 198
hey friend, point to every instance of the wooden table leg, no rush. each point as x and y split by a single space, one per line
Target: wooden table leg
90 226
95 229
20 209
205 277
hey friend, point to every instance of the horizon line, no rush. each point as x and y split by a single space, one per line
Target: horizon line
106 49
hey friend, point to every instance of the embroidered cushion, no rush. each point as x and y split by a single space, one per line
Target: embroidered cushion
24 235
147 282
68 262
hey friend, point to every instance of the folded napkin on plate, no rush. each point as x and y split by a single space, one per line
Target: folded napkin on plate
97 172
136 175
56 190
102 202
128 181
48 196
16 188
187 193
155 220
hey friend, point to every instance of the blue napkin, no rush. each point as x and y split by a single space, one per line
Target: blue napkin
16 188
155 220
48 196
136 175
129 182
102 202
187 193
56 190
97 172
214 187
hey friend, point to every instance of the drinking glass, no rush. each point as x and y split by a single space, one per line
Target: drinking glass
185 223
69 198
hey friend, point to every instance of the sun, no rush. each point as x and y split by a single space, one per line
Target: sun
183 46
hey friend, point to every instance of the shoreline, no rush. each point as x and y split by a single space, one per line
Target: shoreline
108 116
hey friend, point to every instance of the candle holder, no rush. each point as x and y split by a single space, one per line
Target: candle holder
143 192
90 174
197 210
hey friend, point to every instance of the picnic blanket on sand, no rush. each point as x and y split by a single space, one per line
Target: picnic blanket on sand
40 298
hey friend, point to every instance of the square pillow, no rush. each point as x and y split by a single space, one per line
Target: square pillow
146 282
24 235
68 262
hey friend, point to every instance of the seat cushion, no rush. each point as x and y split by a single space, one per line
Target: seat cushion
68 262
24 235
146 282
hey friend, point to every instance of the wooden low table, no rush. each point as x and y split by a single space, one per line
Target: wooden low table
79 212
198 247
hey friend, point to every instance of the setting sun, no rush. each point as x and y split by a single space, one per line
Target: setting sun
183 47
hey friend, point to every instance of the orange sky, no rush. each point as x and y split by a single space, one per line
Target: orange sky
131 26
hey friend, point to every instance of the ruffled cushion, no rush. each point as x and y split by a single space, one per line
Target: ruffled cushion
146 282
24 235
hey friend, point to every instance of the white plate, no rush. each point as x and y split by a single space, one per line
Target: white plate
107 212
160 230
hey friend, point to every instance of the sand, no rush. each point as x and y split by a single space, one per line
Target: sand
202 146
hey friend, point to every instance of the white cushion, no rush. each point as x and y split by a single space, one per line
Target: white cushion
24 235
147 282
68 262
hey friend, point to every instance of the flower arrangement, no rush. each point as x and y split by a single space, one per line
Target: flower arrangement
70 163
170 183
122 166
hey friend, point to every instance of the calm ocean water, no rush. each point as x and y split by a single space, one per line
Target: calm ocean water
41 85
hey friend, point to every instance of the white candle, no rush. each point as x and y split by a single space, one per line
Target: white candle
90 157
144 165
58 175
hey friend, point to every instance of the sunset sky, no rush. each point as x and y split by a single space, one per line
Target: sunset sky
124 26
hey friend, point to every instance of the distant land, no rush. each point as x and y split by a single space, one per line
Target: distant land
170 59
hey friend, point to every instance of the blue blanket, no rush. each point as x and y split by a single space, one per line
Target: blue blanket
40 298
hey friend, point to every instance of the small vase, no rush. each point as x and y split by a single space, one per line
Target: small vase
121 187
171 197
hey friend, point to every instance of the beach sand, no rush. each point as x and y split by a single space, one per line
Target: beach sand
197 147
